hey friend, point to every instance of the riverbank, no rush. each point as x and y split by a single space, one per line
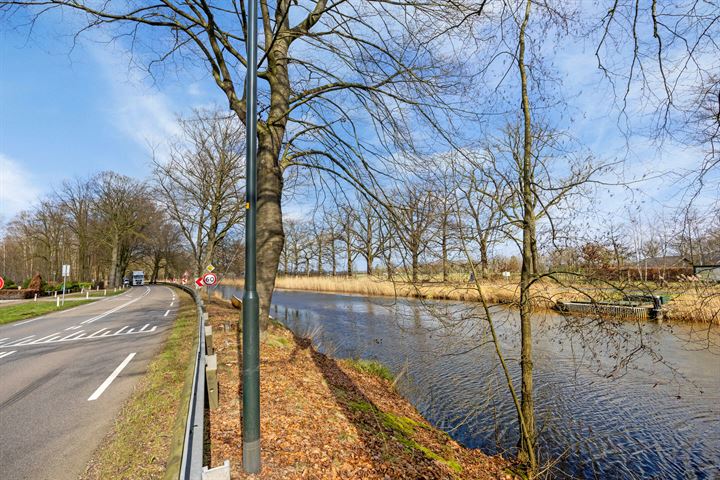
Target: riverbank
691 301
324 418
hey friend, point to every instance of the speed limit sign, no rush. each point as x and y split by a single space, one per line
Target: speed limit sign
209 279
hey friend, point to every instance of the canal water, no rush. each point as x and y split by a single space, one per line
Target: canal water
613 400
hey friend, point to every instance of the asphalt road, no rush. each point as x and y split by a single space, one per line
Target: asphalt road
64 377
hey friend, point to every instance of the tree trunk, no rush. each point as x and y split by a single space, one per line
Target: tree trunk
333 254
415 267
526 444
112 280
270 234
444 250
348 249
483 257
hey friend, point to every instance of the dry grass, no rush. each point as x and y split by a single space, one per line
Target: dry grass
692 301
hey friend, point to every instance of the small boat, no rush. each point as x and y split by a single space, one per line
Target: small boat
236 302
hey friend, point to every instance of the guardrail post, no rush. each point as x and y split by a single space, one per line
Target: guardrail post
211 380
217 473
209 349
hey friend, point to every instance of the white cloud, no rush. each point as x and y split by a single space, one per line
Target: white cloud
137 109
17 191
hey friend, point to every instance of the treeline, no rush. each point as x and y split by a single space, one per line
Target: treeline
175 223
100 226
422 229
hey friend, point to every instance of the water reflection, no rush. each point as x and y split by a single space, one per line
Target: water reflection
646 420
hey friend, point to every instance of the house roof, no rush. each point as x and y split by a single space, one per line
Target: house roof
669 261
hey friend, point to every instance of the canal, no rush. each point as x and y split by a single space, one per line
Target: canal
613 400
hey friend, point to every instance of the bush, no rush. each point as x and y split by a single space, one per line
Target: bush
9 284
372 367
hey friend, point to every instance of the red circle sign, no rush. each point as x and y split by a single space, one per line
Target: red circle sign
2 283
209 279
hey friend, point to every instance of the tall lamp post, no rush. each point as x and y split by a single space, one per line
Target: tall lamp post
251 329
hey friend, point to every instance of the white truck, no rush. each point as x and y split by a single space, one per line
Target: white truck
138 278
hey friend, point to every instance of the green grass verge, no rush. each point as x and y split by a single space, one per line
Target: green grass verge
21 311
142 443
371 367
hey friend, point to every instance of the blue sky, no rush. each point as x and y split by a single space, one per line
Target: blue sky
65 113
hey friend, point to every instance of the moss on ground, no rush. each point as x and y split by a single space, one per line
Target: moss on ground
403 429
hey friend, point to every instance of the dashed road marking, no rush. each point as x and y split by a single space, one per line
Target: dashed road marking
102 333
110 379
113 310
166 313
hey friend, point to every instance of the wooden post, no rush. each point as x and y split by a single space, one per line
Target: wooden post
209 350
211 380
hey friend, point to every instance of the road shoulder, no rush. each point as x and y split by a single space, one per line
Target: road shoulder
139 444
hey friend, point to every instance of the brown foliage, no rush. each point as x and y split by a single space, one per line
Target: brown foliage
321 419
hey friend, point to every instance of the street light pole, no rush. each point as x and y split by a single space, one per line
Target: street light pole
250 329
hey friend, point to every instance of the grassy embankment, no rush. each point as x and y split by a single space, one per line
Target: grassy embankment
140 445
693 302
21 311
324 418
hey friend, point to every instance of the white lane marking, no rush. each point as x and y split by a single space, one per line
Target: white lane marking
21 341
166 313
119 297
5 354
171 303
102 333
94 334
110 379
113 310
46 337
3 339
74 327
70 337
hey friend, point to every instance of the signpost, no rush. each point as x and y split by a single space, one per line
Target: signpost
251 307
65 274
209 279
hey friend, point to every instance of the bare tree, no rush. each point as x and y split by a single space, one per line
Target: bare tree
413 218
319 61
201 182
122 206
76 199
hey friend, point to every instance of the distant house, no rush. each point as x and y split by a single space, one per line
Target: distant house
710 267
707 272
668 261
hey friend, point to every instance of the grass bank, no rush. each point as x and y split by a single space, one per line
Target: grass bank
324 418
21 311
140 443
691 301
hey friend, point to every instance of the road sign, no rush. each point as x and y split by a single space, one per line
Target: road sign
209 279
210 268
199 282
66 270
2 283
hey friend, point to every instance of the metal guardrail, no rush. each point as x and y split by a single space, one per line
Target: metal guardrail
191 465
